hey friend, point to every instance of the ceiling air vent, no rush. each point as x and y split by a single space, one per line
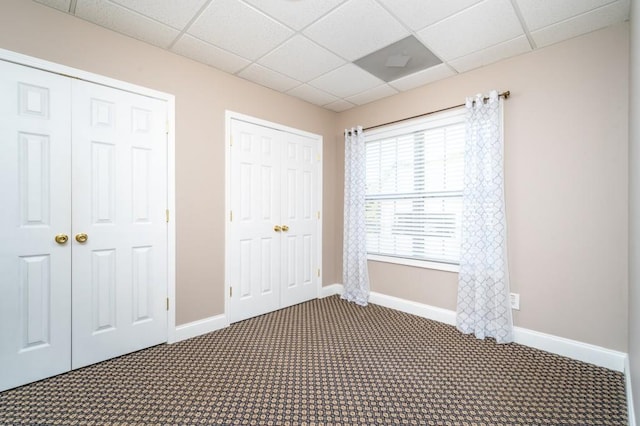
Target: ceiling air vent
399 59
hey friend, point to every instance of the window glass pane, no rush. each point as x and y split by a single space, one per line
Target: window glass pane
417 228
414 191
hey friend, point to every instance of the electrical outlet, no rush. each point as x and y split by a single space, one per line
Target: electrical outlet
515 301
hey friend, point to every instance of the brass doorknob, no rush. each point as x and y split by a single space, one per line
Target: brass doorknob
62 238
277 228
285 228
82 238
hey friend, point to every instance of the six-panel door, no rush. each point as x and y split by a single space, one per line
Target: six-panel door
300 214
119 202
35 270
273 234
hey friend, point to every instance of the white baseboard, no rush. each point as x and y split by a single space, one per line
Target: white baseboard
630 410
197 328
592 354
420 309
585 352
330 290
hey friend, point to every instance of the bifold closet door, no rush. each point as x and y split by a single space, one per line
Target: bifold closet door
35 269
119 181
83 252
273 233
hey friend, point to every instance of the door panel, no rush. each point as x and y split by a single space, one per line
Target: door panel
300 208
255 246
35 272
119 201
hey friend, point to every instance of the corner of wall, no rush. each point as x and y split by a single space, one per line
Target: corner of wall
630 409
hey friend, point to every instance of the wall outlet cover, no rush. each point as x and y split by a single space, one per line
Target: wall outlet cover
515 301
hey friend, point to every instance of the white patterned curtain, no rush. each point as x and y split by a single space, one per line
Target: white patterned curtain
355 276
484 307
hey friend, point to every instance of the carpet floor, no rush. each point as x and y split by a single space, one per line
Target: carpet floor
327 362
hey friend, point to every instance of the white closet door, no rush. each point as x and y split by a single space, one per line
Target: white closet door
299 213
274 233
254 247
119 177
35 271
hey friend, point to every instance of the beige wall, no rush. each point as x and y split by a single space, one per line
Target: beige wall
566 185
202 95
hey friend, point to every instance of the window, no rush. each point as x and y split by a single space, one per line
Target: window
414 176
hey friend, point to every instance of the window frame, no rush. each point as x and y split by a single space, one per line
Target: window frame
439 119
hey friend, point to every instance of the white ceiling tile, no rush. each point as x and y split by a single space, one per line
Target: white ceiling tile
423 77
311 94
208 54
483 25
372 95
62 5
492 54
541 13
356 29
301 59
268 78
590 21
238 28
303 47
175 13
118 19
339 106
296 14
346 81
417 14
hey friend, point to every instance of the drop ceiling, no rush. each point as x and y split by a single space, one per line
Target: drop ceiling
312 49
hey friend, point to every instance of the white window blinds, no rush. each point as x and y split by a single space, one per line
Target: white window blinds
414 189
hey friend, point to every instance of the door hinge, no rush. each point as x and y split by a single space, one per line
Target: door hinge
167 212
167 303
230 140
318 214
318 272
167 126
318 157
231 216
230 291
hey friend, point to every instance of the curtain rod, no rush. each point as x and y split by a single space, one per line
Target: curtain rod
504 94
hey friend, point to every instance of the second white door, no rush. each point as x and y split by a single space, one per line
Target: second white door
274 219
119 274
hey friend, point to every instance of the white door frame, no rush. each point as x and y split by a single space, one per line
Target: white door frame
231 115
53 67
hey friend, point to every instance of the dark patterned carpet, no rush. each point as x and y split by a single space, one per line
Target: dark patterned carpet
327 362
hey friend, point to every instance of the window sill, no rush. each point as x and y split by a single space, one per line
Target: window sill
416 263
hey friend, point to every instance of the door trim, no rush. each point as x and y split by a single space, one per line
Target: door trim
29 61
231 115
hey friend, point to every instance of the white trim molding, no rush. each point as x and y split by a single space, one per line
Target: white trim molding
592 354
627 376
420 309
198 328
